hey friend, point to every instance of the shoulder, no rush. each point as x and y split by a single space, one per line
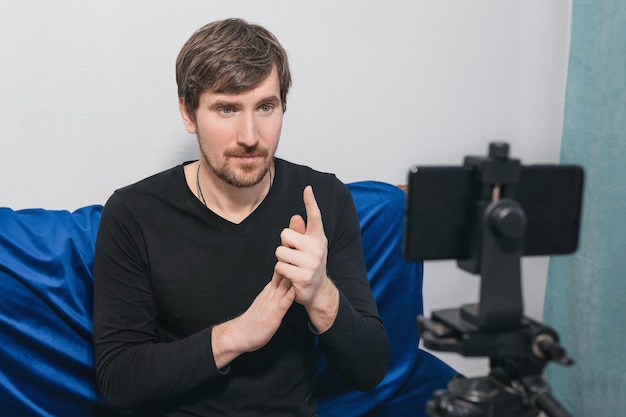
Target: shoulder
161 184
147 195
299 176
153 182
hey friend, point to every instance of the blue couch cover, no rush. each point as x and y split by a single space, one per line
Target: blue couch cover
46 357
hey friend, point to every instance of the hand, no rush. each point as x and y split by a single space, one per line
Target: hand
256 326
302 260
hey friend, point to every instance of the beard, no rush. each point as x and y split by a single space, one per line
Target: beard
243 175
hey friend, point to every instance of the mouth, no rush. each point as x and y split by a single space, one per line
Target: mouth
247 159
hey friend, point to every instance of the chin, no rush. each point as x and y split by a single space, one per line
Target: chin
245 179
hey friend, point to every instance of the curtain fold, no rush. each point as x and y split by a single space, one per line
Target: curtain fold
586 292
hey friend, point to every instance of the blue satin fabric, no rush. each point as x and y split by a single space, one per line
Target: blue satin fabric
413 374
46 279
46 356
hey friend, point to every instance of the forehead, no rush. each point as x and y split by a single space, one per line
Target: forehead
268 88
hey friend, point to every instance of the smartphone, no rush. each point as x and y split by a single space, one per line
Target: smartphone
440 203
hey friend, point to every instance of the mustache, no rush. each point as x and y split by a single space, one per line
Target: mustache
243 151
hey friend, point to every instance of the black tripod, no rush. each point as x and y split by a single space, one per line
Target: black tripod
518 347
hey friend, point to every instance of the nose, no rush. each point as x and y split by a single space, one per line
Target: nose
248 134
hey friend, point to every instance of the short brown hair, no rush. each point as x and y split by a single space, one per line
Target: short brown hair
229 56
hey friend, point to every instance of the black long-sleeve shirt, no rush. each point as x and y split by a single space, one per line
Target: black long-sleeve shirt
167 270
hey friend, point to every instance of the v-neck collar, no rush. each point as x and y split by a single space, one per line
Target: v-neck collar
258 210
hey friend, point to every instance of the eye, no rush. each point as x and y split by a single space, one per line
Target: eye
226 110
266 108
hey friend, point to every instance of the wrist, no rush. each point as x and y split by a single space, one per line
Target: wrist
224 343
324 306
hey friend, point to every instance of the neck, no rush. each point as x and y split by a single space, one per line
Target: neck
232 203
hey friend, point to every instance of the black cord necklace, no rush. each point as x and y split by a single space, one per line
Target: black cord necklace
199 189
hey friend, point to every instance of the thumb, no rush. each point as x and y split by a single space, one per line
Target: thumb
297 224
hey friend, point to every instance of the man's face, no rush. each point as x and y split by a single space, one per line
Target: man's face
238 133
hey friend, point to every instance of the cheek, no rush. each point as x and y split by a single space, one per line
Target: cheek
271 131
214 133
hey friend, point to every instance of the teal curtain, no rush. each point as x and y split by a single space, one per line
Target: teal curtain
586 292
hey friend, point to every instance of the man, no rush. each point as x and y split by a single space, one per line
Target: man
213 278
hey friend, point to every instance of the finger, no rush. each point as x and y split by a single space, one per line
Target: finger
288 298
297 258
291 239
292 273
284 285
279 280
297 224
284 288
314 224
276 279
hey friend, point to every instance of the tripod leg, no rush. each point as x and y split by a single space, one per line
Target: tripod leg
541 397
547 403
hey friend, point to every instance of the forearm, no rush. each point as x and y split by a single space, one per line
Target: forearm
131 375
357 346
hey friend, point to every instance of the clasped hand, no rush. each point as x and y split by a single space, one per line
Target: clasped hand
299 275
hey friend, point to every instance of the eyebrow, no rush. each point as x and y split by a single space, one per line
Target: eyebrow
272 99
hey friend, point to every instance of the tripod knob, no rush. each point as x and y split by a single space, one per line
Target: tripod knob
546 347
508 219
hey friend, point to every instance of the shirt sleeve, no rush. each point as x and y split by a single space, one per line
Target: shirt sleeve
356 345
132 367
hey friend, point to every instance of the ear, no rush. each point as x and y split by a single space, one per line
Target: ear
188 120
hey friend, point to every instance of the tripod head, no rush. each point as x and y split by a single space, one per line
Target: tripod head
487 215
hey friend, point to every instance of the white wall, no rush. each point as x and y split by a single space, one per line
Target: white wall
88 96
